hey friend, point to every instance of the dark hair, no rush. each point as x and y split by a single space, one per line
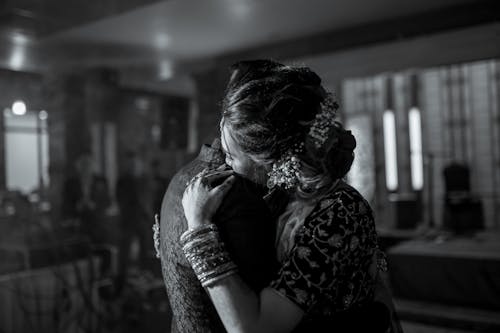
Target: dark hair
270 107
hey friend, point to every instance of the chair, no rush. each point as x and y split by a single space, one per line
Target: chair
463 212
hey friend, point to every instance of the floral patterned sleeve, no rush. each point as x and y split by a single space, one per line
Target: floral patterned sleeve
328 266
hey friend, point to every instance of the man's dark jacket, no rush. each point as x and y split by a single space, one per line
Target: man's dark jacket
246 227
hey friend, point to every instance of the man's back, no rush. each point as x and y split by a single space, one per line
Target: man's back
246 227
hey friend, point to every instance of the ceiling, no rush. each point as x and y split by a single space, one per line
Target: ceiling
158 40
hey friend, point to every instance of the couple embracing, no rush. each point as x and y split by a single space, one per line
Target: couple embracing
260 233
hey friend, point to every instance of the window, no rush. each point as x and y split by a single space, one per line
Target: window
391 162
26 150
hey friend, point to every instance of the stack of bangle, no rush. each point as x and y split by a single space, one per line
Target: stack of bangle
207 255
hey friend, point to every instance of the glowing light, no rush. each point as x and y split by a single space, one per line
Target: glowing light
240 9
417 166
17 57
19 108
19 38
166 71
390 152
142 103
43 115
162 41
156 133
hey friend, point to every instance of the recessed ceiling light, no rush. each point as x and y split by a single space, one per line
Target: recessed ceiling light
43 115
162 41
166 71
18 108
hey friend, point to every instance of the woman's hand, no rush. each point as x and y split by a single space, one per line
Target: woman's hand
201 200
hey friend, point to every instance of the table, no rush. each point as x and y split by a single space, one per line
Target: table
456 271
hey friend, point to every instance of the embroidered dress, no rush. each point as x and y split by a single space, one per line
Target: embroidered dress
327 269
288 223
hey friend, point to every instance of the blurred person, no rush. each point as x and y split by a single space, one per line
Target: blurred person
246 225
86 198
132 195
279 129
159 184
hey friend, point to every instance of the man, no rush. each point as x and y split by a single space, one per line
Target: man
132 194
247 228
158 185
86 197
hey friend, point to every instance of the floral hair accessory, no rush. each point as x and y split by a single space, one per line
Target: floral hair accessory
285 171
156 235
324 121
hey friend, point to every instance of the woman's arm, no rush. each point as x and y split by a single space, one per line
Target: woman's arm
242 310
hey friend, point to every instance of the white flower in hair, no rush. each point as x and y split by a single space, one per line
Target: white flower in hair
285 171
324 121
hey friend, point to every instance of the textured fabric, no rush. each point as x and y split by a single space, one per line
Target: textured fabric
288 223
328 267
242 219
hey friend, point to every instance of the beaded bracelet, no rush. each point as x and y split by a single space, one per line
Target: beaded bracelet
207 255
193 233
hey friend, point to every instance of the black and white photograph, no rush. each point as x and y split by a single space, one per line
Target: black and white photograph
249 166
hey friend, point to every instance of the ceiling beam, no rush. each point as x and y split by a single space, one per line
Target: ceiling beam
441 49
403 28
41 18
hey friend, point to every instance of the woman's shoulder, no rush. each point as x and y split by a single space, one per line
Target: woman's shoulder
344 197
343 211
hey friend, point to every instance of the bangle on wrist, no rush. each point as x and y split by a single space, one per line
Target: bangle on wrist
206 254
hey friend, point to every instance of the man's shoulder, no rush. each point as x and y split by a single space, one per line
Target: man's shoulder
178 182
172 214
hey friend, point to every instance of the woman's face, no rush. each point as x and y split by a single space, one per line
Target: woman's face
238 160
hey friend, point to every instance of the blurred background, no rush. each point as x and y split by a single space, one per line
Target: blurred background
100 98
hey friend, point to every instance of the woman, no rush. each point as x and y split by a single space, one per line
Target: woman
278 129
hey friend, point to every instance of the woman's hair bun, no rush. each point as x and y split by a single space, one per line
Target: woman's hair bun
250 70
340 155
303 75
295 96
